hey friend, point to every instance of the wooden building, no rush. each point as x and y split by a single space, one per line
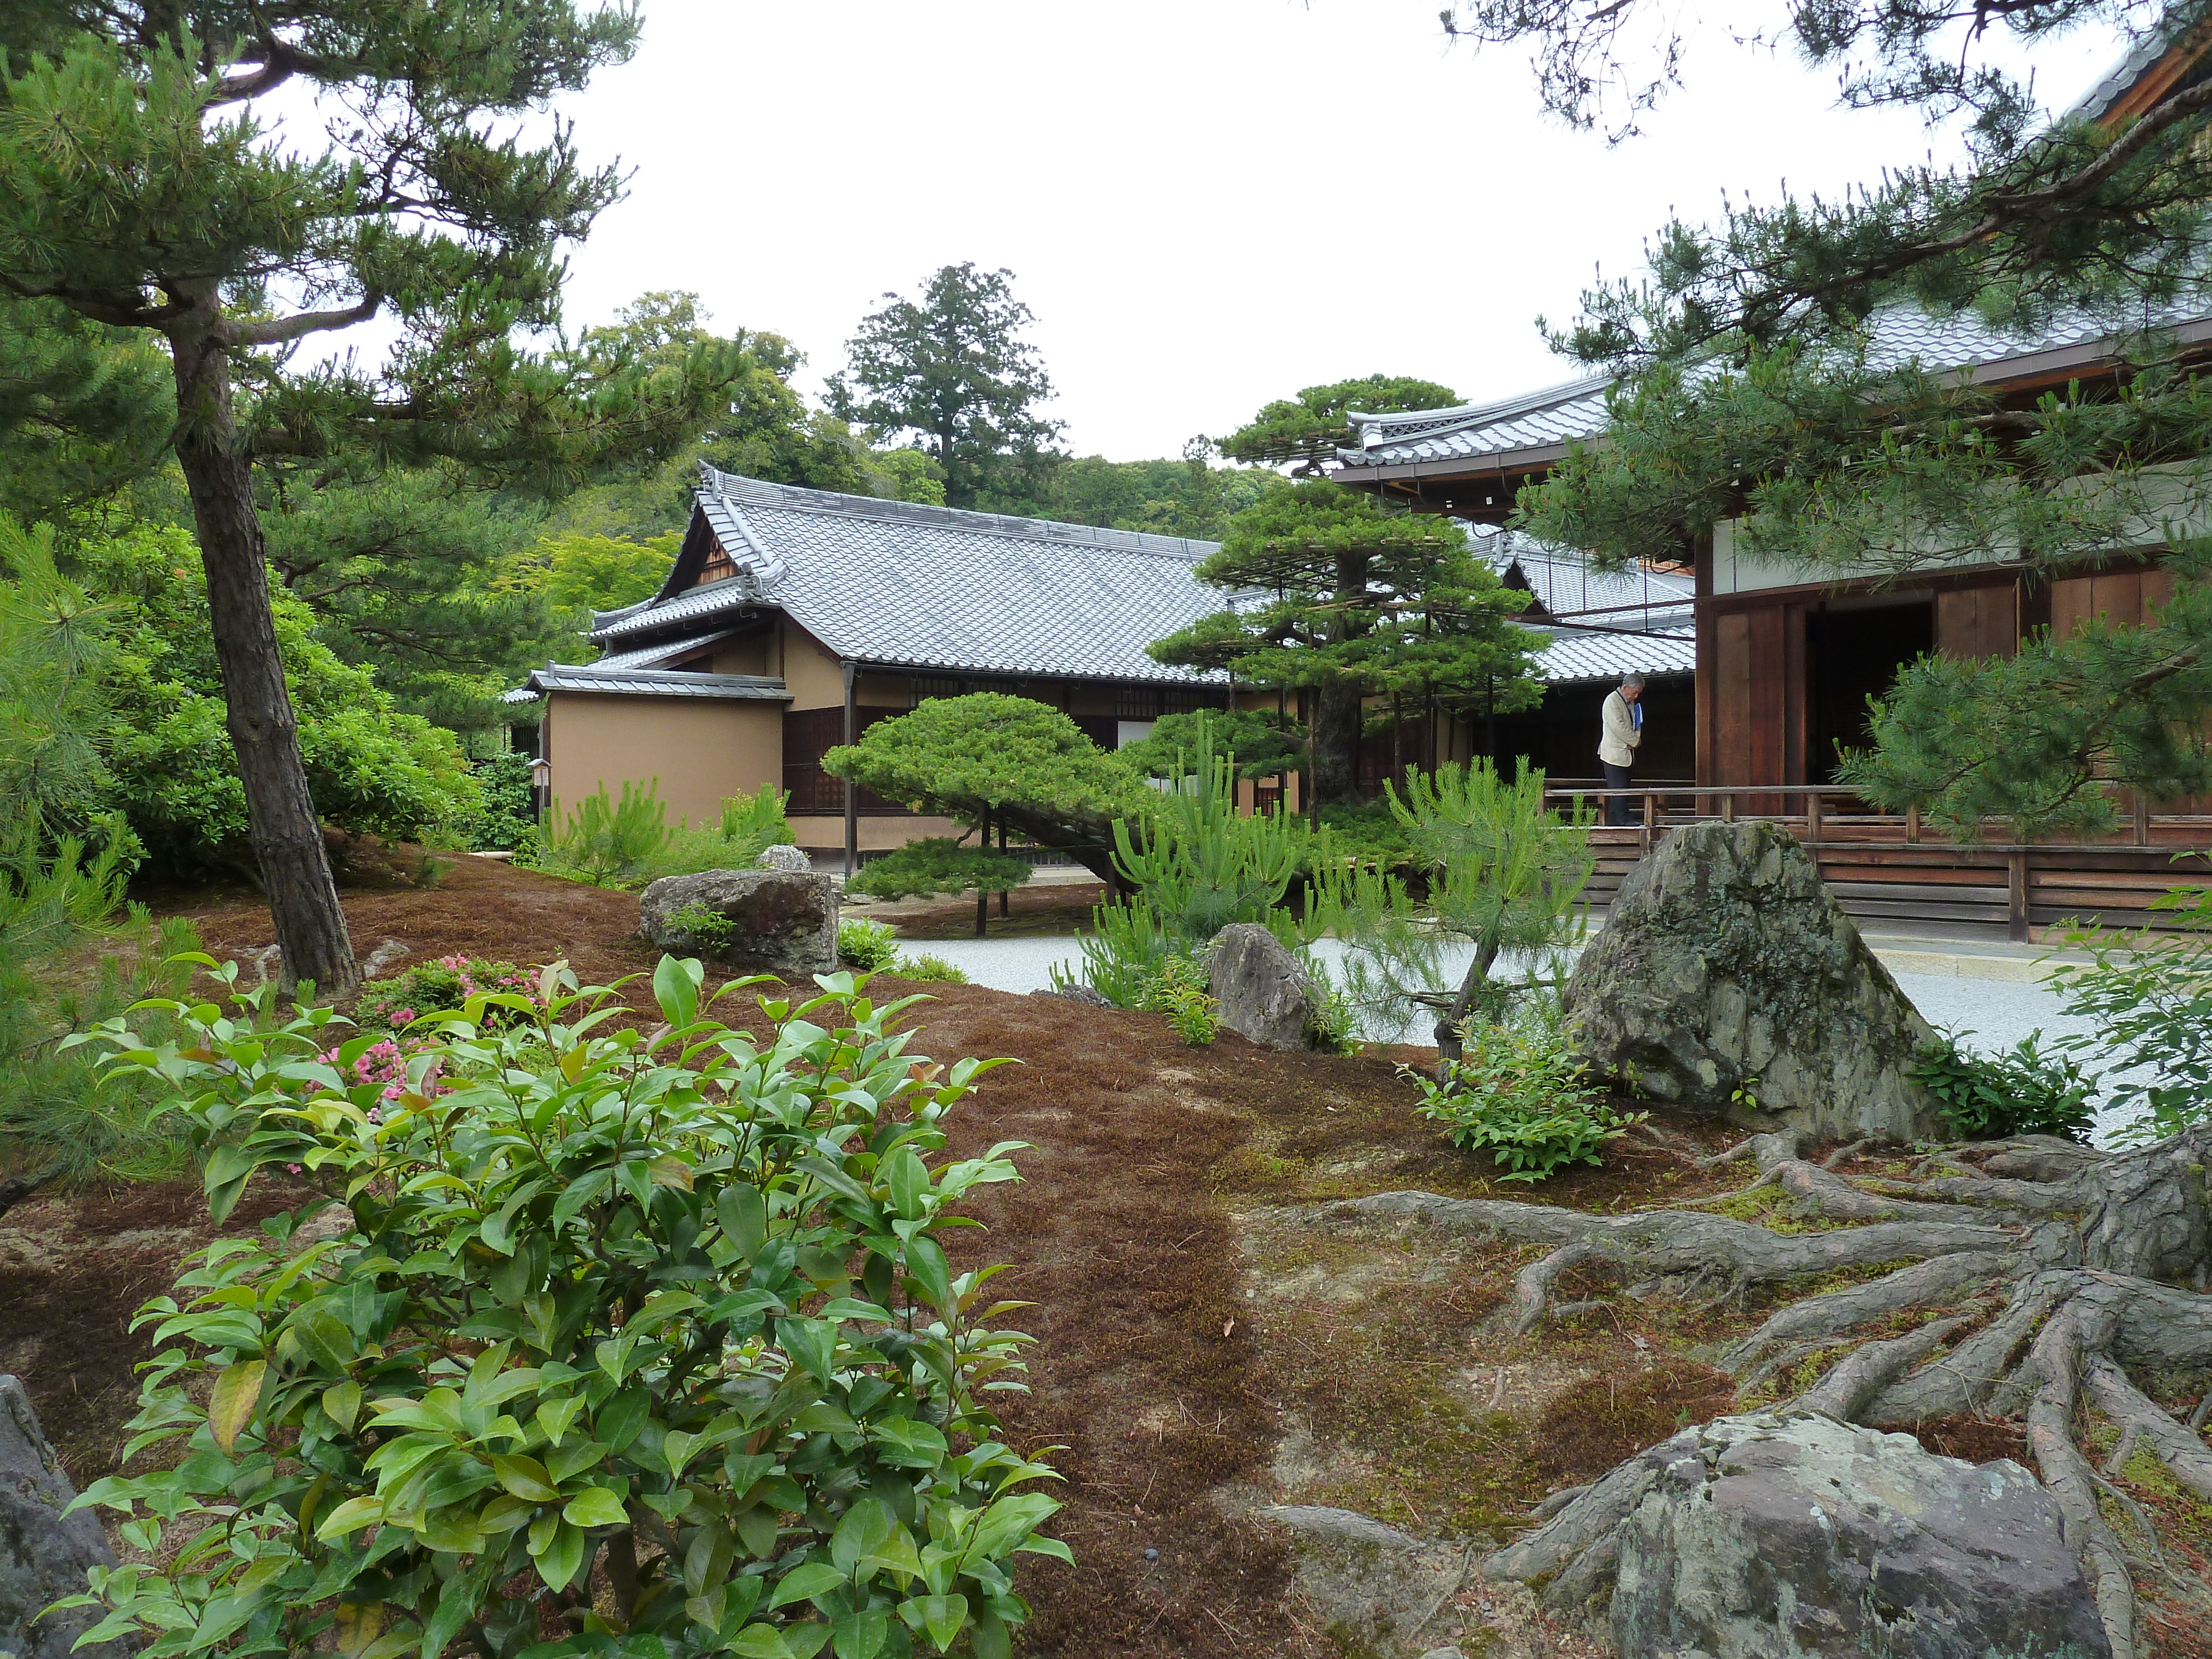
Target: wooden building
794 619
1786 658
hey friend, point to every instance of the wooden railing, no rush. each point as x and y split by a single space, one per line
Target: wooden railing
1891 866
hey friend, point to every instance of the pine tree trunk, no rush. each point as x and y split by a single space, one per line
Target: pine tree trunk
287 836
1336 745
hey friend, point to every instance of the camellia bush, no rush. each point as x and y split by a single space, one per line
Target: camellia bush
633 1343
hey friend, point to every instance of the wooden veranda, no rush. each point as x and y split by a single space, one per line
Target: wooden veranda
1886 867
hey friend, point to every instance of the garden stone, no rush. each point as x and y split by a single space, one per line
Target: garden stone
44 1555
783 856
1265 995
1726 965
778 922
1775 1536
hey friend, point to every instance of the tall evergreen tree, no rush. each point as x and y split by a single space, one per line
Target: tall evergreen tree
1754 385
952 369
1310 426
140 189
1364 603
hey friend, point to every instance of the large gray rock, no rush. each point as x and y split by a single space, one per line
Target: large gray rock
1768 1537
1264 996
782 856
776 920
1726 961
44 1556
1378 1590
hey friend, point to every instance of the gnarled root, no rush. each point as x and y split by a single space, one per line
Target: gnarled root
2102 1260
1667 1244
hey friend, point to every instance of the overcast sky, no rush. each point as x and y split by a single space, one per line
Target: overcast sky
1207 202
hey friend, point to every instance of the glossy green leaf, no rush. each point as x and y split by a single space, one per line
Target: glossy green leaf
237 1393
595 1506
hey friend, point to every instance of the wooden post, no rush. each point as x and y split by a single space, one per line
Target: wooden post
852 789
1651 817
983 894
1912 824
1006 898
1814 825
2016 894
1728 806
2142 819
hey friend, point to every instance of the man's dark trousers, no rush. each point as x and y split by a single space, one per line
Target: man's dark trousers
1616 806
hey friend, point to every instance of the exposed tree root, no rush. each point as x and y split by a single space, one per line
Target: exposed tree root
2102 1261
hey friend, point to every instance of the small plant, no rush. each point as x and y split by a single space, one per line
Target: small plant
1745 1096
870 946
929 971
2025 1090
1517 1093
703 923
609 842
2150 995
442 986
1177 989
756 820
631 1345
1121 955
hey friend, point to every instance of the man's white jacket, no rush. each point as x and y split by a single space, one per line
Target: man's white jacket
1617 743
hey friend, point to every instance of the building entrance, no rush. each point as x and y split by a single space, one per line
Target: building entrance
1851 655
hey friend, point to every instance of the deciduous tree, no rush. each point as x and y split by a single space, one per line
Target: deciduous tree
953 370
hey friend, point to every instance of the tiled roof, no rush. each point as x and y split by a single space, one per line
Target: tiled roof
900 584
651 656
657 683
1555 416
1565 583
1576 656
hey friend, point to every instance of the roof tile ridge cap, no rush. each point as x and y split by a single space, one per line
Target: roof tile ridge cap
834 503
1470 414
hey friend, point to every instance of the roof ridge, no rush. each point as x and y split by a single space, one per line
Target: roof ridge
736 488
1406 422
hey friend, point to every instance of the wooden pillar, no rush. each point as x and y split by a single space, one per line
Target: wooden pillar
1813 817
2143 819
852 789
1650 815
2016 894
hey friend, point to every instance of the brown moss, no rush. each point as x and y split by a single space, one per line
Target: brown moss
1587 1428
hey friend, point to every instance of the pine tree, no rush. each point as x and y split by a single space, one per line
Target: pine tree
1755 389
1365 602
140 189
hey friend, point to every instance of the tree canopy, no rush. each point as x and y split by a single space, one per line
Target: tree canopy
1365 602
953 370
1312 426
143 187
1006 759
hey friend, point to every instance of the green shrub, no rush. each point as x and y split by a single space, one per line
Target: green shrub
1121 955
1177 989
440 988
756 820
1369 833
930 970
1199 865
504 814
2150 995
2025 1090
58 1120
675 1307
870 946
1517 1093
609 842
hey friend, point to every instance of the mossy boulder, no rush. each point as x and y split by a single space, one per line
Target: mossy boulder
1728 980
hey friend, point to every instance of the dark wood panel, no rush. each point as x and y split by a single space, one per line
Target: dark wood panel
1978 623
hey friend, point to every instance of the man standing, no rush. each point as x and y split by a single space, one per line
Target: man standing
1621 728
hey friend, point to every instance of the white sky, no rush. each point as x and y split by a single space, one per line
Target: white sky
1207 202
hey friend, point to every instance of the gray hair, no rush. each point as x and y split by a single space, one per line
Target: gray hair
1631 679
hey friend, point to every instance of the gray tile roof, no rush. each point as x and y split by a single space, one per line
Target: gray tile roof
1548 420
1574 656
2146 50
900 584
651 656
657 683
1658 638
